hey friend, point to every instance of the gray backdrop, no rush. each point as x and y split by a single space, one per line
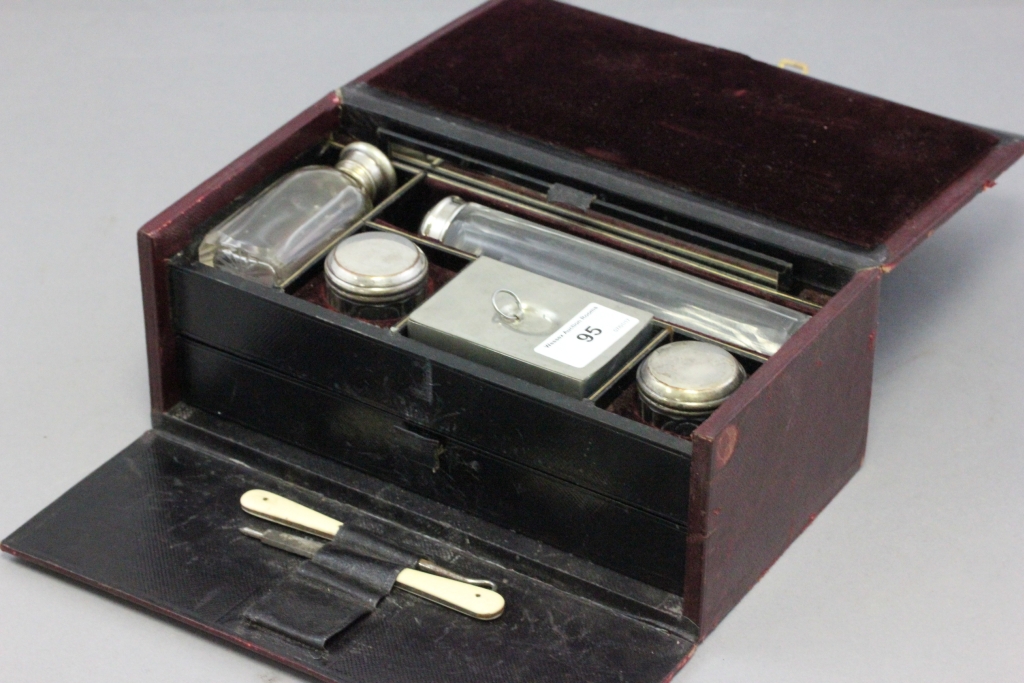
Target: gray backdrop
111 111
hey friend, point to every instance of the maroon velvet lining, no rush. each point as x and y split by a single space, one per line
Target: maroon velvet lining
714 122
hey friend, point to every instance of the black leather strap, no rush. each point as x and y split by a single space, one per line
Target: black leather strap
344 581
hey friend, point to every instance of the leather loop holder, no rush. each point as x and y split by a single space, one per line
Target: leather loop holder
324 595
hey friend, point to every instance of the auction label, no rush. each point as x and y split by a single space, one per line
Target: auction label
588 334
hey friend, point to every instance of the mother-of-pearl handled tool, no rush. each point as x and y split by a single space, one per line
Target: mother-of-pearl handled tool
278 509
474 601
456 593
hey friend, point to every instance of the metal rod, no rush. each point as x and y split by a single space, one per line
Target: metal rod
637 357
768 292
415 237
691 255
731 348
373 213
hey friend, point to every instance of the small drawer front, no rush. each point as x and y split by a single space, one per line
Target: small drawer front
620 537
561 437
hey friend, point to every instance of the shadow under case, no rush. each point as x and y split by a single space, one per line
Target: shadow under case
617 545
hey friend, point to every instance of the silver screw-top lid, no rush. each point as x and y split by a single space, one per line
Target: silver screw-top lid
377 266
370 168
688 377
435 223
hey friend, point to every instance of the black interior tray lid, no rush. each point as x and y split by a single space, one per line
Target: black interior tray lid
716 127
158 525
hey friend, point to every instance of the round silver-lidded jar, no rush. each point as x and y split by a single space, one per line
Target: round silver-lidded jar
680 384
376 275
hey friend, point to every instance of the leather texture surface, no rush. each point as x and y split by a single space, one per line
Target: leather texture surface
158 525
778 451
345 580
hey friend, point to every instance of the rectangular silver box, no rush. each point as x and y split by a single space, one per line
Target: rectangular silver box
568 340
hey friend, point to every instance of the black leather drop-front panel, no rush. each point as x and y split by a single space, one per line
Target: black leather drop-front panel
158 525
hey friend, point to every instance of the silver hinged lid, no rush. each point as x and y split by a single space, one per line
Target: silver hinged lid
689 376
377 265
370 168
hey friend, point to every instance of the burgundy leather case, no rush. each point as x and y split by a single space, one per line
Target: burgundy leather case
618 547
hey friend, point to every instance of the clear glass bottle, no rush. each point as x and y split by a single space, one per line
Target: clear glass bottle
670 295
291 223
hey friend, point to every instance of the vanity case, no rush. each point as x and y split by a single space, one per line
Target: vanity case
618 546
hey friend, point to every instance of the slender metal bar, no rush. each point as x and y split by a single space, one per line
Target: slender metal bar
769 292
637 357
297 545
400 325
690 255
431 568
306 547
801 304
373 213
731 348
415 237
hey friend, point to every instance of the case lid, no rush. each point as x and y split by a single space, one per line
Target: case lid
799 155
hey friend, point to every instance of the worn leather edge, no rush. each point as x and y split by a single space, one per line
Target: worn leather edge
831 356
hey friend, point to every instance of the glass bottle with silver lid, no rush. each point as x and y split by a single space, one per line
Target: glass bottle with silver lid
680 384
376 275
290 225
719 312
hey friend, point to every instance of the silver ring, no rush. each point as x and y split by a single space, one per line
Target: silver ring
514 317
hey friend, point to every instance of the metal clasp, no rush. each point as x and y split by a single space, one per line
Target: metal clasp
793 65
